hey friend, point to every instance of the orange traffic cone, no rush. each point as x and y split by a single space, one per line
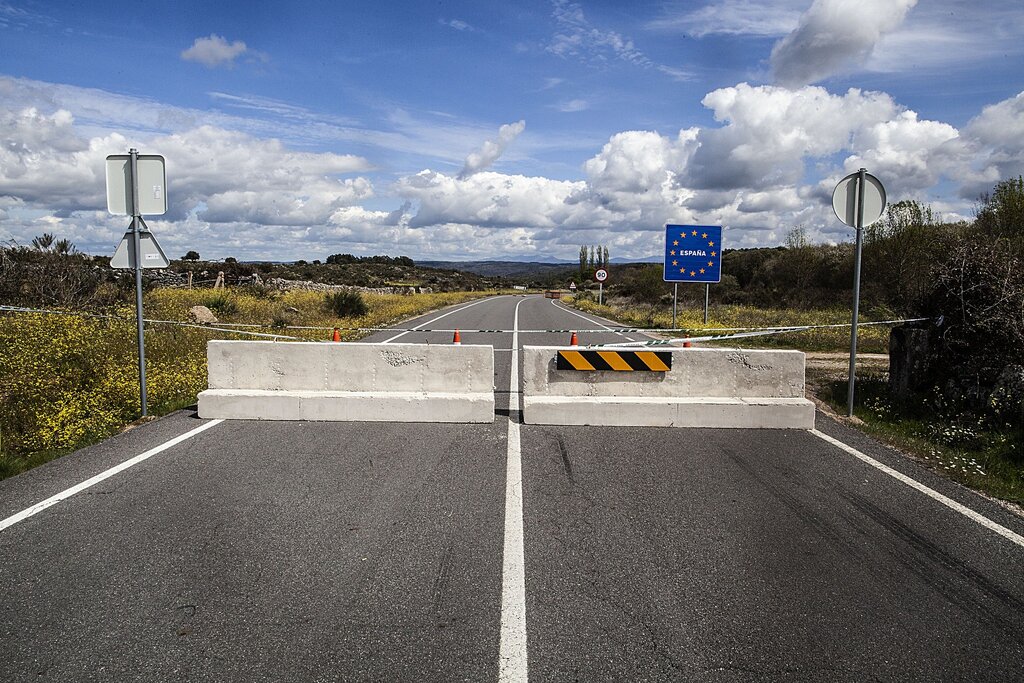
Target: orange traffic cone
337 335
687 344
456 339
574 340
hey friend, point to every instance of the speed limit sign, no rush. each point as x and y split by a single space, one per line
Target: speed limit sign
601 275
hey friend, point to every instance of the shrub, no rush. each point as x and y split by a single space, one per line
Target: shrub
221 303
346 304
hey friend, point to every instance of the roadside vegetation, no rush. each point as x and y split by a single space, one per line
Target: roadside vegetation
959 408
67 381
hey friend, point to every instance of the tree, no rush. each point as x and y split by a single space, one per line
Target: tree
191 256
604 260
593 260
583 262
1002 212
900 253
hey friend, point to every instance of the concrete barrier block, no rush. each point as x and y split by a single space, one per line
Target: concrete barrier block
345 381
345 406
704 388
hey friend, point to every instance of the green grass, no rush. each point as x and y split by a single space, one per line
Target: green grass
972 451
11 465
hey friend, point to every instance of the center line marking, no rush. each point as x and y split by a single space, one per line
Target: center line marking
443 315
512 662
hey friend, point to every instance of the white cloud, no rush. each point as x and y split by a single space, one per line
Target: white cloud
834 36
636 170
735 17
997 134
770 162
457 24
951 33
214 51
492 149
570 106
577 37
912 155
770 131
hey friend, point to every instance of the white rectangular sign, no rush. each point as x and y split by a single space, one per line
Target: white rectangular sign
152 182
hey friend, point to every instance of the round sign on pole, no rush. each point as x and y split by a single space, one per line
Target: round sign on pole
601 275
844 199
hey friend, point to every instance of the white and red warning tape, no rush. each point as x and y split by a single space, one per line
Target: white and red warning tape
733 332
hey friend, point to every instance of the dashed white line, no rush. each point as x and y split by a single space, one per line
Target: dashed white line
931 493
443 315
78 488
512 660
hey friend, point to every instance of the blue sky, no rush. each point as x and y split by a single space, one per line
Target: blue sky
469 130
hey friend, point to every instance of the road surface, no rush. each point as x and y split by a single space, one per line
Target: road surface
301 551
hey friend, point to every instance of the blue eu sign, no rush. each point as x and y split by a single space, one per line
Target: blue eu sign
693 253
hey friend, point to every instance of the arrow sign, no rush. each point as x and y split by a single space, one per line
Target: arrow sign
152 255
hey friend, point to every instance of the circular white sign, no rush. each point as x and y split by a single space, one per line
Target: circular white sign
601 275
844 199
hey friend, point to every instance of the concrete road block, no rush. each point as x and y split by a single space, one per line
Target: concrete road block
729 388
348 382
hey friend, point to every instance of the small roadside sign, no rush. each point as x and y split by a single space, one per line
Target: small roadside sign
152 255
847 193
572 286
693 253
152 183
601 275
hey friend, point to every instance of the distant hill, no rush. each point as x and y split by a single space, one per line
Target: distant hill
506 269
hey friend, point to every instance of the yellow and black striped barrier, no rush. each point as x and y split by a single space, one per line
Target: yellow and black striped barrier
626 361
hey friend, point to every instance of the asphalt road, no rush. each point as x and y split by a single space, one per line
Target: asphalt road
299 551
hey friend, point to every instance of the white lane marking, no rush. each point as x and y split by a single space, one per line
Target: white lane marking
443 315
589 320
78 488
931 493
512 661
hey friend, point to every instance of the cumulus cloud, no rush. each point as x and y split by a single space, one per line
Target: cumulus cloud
636 171
215 176
769 162
911 154
769 132
998 135
833 36
492 149
214 51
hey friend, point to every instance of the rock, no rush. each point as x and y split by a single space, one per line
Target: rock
290 309
202 315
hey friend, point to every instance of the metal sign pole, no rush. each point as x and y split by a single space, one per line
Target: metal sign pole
675 298
707 296
856 292
137 249
600 293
